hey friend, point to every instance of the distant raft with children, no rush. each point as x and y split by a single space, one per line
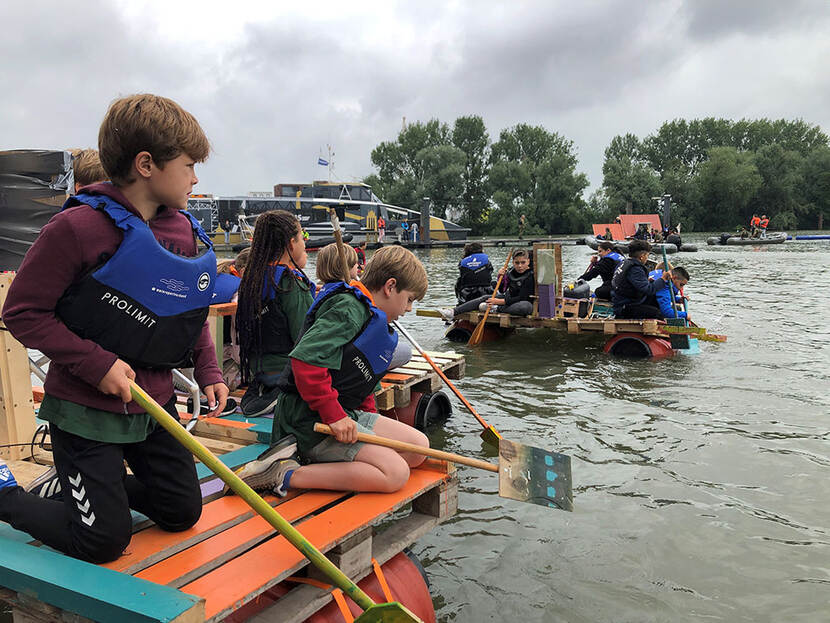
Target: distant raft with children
571 307
728 239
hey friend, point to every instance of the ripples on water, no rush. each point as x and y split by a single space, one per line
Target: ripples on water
700 483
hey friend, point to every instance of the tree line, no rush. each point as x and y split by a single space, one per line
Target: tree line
718 171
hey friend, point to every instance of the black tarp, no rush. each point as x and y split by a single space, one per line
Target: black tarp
33 187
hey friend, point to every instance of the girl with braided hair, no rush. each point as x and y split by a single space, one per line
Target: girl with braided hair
274 296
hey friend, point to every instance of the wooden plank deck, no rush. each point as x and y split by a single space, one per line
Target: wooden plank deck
608 326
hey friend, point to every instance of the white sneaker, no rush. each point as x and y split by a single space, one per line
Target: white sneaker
446 314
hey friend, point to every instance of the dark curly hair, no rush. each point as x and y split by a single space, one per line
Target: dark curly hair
272 234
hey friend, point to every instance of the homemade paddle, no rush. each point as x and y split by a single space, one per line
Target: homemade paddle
372 612
478 332
341 250
489 434
525 473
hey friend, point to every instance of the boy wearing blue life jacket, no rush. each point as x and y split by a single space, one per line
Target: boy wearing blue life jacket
115 288
670 295
346 347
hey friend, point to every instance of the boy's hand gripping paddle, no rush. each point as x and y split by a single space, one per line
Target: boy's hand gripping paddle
525 473
478 332
372 612
489 434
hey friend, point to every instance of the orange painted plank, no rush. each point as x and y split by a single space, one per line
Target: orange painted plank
228 423
225 588
37 393
152 540
394 377
223 309
169 570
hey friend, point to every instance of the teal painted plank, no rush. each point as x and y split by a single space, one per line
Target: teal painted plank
233 459
7 532
86 589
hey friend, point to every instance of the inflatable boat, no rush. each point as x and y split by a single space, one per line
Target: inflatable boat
735 240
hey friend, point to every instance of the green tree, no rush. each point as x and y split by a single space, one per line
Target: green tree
441 177
727 183
470 136
816 188
400 163
780 195
628 181
533 172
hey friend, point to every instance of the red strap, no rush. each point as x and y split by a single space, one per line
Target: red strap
382 580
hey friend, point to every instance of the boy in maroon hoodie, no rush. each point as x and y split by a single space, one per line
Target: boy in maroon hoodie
113 289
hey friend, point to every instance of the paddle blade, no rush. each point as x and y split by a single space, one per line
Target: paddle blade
534 475
491 436
478 333
392 612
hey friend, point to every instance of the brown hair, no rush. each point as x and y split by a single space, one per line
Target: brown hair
328 262
86 167
148 123
472 247
520 253
398 263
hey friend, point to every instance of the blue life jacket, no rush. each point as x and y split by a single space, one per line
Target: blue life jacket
664 298
619 259
226 287
366 357
276 334
145 304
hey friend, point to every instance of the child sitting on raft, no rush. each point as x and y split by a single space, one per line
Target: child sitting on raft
111 244
516 291
274 296
345 349
475 277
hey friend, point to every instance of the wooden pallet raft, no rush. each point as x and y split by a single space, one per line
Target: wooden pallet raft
228 559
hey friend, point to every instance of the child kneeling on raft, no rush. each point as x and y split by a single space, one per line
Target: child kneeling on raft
114 289
335 368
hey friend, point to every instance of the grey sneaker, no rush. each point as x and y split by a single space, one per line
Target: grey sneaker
447 314
46 485
283 466
265 471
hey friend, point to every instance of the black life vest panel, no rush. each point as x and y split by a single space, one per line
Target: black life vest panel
515 281
276 336
145 304
366 357
623 293
475 270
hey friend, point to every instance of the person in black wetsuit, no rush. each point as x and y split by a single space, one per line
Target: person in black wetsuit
517 289
603 265
632 294
475 274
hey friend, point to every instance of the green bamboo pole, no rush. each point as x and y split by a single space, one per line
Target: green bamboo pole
252 498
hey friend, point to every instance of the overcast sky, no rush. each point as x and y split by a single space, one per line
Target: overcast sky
272 83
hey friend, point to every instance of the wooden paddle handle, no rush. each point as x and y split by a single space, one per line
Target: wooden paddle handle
443 376
402 446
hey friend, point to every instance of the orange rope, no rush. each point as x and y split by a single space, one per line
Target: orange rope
382 580
337 594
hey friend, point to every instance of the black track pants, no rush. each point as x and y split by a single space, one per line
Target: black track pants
93 520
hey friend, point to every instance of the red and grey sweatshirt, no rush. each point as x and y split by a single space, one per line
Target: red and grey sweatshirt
68 246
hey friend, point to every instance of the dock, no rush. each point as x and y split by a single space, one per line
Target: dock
231 566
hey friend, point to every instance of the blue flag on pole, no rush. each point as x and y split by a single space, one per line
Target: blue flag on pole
322 163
